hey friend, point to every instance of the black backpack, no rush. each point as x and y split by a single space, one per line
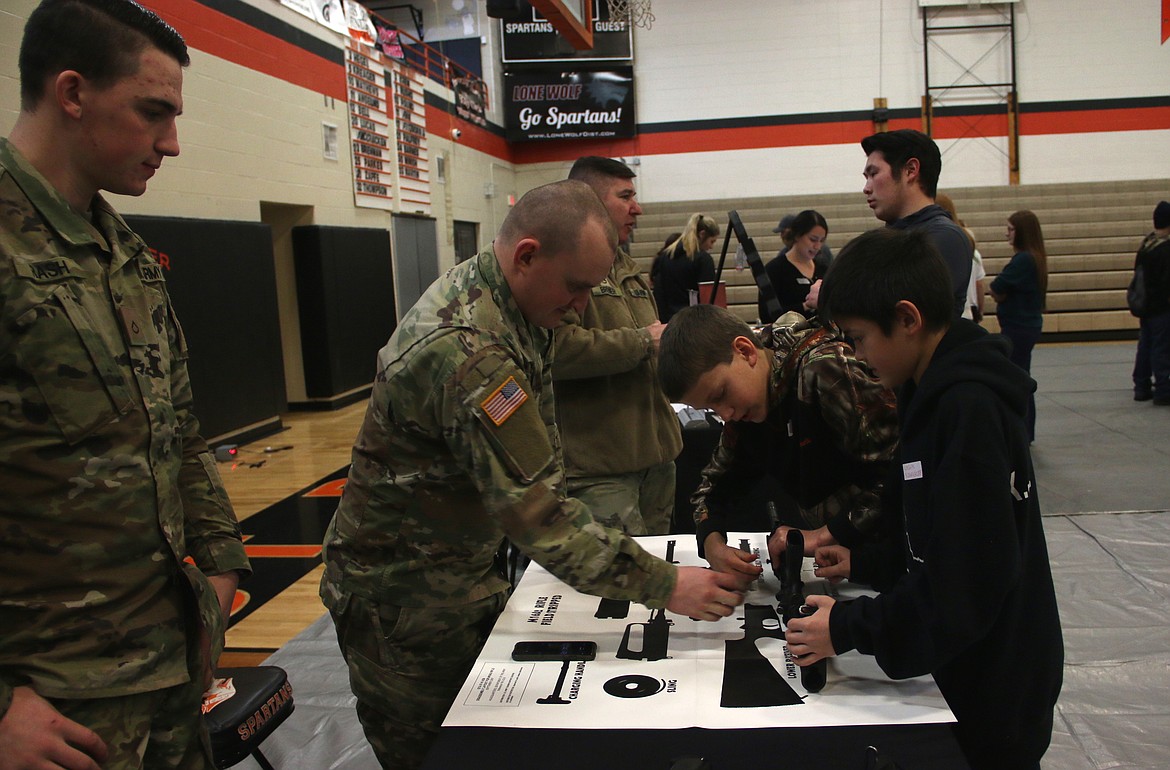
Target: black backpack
1135 293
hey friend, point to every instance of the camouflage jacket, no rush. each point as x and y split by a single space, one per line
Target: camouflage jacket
610 407
831 431
458 449
107 486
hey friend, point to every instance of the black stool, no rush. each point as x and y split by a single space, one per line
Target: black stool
239 725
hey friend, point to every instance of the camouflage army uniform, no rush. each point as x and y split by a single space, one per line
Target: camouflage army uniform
830 433
458 449
621 434
107 485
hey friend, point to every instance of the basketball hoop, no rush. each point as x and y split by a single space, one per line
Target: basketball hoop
637 12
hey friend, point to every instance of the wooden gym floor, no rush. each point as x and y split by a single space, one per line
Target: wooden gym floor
285 489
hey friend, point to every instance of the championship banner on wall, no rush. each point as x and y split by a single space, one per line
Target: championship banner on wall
569 105
533 38
410 135
369 130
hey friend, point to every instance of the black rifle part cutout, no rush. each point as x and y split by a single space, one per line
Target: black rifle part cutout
670 552
612 608
791 600
555 698
749 679
763 282
655 636
634 686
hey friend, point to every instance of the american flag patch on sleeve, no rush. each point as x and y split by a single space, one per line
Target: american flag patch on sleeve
504 401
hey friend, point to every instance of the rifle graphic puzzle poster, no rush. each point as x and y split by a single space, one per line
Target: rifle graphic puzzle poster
655 669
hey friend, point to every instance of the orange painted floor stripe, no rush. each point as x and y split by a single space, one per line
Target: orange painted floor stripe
283 551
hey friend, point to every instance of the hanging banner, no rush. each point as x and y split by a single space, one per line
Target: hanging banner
327 12
533 38
569 105
471 100
359 25
389 42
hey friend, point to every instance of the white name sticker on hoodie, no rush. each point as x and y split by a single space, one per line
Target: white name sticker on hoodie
912 470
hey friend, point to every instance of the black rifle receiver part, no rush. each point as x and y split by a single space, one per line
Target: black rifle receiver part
791 600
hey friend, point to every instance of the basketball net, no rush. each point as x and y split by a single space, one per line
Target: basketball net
636 11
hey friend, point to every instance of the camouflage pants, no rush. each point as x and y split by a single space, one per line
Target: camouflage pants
149 731
639 503
406 665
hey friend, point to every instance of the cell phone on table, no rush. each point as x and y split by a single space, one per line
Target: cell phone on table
579 650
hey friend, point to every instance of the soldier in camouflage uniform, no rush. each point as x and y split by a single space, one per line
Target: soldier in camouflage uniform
458 451
796 404
621 434
107 631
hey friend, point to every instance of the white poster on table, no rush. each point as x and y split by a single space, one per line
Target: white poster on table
655 669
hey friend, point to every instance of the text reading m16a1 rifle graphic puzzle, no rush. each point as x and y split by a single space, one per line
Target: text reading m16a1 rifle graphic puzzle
654 669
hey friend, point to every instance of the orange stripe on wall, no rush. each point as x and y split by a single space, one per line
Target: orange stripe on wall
439 122
1094 121
232 40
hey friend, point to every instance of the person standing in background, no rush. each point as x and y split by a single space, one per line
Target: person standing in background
1153 349
1019 292
121 552
798 268
901 180
683 264
973 309
824 258
621 435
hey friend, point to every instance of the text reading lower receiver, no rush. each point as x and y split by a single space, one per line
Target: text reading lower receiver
749 679
792 605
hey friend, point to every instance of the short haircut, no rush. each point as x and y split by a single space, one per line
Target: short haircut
697 339
101 39
882 267
899 146
555 214
595 170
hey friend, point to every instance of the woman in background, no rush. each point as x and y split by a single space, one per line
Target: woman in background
682 265
973 309
796 270
1020 293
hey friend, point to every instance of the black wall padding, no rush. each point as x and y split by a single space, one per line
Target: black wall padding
222 281
345 290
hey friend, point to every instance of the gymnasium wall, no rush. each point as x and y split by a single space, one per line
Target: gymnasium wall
771 98
734 99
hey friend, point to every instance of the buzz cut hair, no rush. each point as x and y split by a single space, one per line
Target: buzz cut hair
594 170
100 39
555 214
